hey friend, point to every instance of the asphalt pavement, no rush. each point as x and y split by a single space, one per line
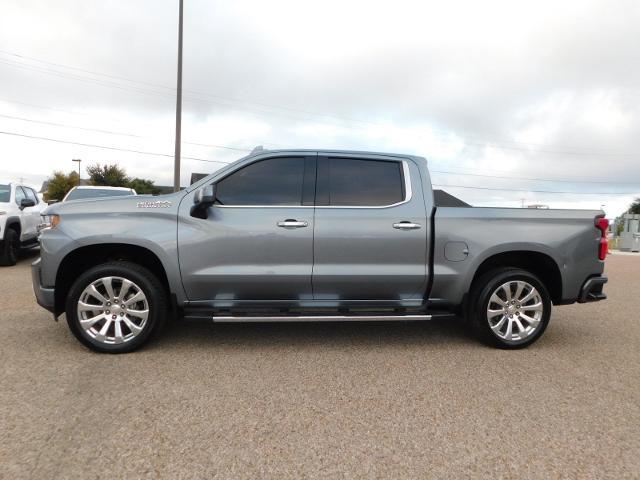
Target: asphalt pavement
329 400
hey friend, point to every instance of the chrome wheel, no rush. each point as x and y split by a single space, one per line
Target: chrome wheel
113 310
515 310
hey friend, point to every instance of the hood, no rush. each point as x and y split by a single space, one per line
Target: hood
116 204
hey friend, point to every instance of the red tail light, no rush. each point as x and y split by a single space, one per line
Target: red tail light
602 224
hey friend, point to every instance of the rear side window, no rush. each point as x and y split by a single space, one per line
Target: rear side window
276 181
360 183
5 193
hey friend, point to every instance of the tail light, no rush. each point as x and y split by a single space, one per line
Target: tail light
602 224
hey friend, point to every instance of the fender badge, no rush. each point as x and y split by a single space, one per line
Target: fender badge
154 204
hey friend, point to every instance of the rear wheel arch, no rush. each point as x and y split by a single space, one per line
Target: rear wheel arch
540 264
83 258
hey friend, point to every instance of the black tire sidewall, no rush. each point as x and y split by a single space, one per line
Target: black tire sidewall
150 286
487 285
10 247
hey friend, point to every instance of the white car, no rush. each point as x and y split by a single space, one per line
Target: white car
83 192
20 210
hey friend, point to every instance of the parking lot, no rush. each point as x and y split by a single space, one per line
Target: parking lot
394 400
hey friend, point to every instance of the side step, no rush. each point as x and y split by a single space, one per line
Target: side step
317 318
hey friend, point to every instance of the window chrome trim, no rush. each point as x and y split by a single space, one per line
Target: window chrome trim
408 194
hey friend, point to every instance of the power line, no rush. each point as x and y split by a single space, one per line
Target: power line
534 179
533 191
107 147
225 147
478 142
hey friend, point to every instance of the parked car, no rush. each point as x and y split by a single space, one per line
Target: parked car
20 211
83 192
313 236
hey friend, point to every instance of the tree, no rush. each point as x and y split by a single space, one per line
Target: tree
635 206
60 184
143 186
107 175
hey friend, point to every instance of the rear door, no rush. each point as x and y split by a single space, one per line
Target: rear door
370 238
256 243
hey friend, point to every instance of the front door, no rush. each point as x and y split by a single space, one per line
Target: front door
370 240
256 243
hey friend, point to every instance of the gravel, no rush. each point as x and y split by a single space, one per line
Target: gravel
393 400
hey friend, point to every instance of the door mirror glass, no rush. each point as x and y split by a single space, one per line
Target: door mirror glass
202 200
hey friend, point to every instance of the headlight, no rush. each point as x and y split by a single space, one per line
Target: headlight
48 221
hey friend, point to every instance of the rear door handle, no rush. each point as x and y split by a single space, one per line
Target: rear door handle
407 226
291 223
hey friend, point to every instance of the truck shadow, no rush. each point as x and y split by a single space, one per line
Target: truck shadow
443 332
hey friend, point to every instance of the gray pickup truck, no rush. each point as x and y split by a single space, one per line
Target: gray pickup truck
313 236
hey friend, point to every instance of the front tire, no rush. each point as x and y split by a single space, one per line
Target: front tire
9 248
116 307
509 308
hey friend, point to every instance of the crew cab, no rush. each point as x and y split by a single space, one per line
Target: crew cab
20 210
308 235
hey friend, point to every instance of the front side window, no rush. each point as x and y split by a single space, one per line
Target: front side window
31 195
357 182
276 181
19 195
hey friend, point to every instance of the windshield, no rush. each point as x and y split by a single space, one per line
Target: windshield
5 193
80 193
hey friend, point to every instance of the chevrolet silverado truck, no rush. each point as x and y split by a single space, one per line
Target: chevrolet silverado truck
313 236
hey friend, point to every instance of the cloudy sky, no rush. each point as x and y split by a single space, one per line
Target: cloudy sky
512 100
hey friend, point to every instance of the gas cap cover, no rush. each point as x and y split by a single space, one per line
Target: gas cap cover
456 251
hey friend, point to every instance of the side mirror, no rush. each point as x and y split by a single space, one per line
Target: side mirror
26 202
202 200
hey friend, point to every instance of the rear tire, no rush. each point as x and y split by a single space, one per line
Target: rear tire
116 307
10 248
509 308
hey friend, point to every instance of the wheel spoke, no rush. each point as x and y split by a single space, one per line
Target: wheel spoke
532 321
93 291
508 334
529 296
126 284
119 338
107 282
497 326
88 307
518 323
87 323
494 313
136 298
496 299
519 288
537 307
143 314
135 329
506 288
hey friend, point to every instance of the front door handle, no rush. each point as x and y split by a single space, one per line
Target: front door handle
407 226
291 223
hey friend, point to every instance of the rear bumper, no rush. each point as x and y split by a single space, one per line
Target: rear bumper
44 296
592 290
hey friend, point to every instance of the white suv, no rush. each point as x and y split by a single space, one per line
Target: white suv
20 210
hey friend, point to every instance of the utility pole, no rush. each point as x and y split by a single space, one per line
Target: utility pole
79 160
176 164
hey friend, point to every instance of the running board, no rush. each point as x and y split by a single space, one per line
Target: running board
318 318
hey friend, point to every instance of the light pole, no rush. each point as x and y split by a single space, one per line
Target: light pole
176 161
79 160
